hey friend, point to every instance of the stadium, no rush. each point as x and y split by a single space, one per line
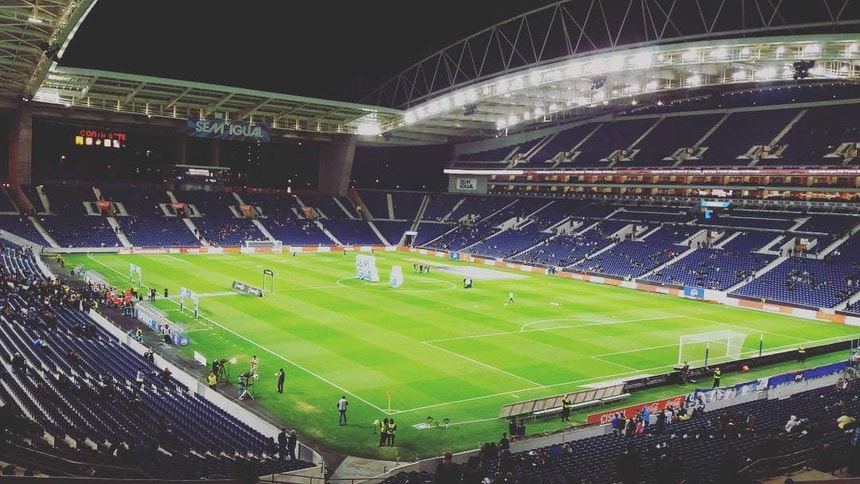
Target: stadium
602 241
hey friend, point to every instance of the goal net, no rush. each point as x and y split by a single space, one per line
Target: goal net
274 244
716 346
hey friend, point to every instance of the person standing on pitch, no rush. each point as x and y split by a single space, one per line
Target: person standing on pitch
392 430
717 375
511 297
383 432
341 409
281 376
566 404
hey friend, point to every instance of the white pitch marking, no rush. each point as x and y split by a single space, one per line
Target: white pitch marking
482 364
267 350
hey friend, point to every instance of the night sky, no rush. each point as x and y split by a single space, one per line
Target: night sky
337 50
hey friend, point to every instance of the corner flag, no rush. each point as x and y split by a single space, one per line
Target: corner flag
389 399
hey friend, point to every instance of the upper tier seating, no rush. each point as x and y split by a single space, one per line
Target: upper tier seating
671 134
817 134
553 153
718 136
495 157
738 133
611 136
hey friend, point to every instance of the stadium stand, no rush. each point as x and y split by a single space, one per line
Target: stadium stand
221 223
73 221
85 401
740 443
605 182
6 204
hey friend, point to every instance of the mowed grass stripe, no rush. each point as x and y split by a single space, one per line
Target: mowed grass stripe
365 338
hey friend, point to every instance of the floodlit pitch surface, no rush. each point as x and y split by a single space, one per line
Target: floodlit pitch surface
443 352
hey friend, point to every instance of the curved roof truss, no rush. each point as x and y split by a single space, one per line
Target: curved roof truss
572 28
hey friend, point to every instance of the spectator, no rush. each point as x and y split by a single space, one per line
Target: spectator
165 375
448 471
628 465
504 443
792 423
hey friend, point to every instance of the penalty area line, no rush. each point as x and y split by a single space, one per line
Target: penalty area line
613 363
613 376
472 360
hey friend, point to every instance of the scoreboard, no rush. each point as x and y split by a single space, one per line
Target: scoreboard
100 138
708 208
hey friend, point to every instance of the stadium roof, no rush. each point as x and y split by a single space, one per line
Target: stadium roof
569 60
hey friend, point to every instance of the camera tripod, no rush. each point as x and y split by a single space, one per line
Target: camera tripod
247 385
223 371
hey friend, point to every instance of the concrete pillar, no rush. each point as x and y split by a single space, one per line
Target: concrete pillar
214 158
181 143
335 166
21 146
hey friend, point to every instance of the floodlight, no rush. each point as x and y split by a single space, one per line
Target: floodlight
766 73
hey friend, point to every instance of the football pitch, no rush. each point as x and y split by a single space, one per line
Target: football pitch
431 350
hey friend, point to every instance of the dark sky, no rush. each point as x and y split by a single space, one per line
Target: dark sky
339 50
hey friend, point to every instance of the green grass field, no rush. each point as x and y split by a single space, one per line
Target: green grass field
441 350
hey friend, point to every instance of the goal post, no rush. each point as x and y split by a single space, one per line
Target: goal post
135 272
185 293
275 245
269 275
715 346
